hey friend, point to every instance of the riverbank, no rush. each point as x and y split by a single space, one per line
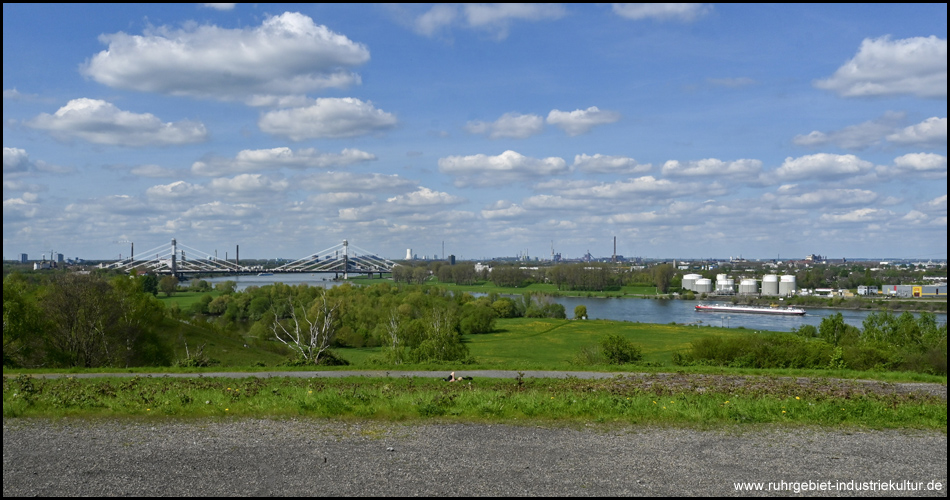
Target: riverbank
637 292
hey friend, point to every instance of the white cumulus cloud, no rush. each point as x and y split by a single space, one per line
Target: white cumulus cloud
927 163
855 137
248 185
217 210
510 125
353 182
580 121
604 164
327 118
861 215
503 210
821 166
425 197
286 55
175 190
484 170
930 132
494 19
15 160
914 66
744 168
102 122
257 160
822 198
661 11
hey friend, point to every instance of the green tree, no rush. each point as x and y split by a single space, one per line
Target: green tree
833 329
226 287
508 276
441 341
219 305
83 321
504 308
580 312
22 322
150 284
476 318
140 314
168 285
419 274
663 276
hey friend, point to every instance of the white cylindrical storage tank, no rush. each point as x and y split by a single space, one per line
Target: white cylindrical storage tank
748 287
788 285
725 285
770 284
703 285
689 281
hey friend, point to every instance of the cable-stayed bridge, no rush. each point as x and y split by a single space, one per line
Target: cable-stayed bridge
178 259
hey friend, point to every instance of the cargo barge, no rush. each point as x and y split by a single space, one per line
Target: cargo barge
727 308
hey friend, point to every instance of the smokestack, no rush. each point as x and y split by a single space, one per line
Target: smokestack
237 255
614 258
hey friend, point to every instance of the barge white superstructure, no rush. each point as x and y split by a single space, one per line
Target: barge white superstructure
728 308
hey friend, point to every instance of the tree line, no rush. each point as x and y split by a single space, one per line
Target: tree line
589 277
96 320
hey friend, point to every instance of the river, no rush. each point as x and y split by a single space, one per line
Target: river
621 309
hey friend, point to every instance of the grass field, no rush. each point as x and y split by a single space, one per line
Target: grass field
553 344
526 342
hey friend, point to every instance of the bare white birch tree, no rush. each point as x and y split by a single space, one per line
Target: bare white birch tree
396 353
392 328
310 328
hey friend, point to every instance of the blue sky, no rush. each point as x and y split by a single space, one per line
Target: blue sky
687 131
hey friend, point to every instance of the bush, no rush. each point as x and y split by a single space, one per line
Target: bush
591 355
618 350
759 351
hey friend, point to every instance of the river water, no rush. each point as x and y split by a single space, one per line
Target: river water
621 309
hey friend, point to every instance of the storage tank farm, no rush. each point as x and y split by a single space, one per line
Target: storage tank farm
787 285
770 284
748 286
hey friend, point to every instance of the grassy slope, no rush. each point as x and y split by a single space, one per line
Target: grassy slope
530 342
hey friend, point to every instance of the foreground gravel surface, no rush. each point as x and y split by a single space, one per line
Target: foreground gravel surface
76 457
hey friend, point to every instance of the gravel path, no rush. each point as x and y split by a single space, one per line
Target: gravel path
77 457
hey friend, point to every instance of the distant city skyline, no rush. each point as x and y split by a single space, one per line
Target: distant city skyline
686 131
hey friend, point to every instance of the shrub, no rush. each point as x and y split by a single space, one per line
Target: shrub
759 351
591 355
618 350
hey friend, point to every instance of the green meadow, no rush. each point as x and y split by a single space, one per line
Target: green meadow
537 342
